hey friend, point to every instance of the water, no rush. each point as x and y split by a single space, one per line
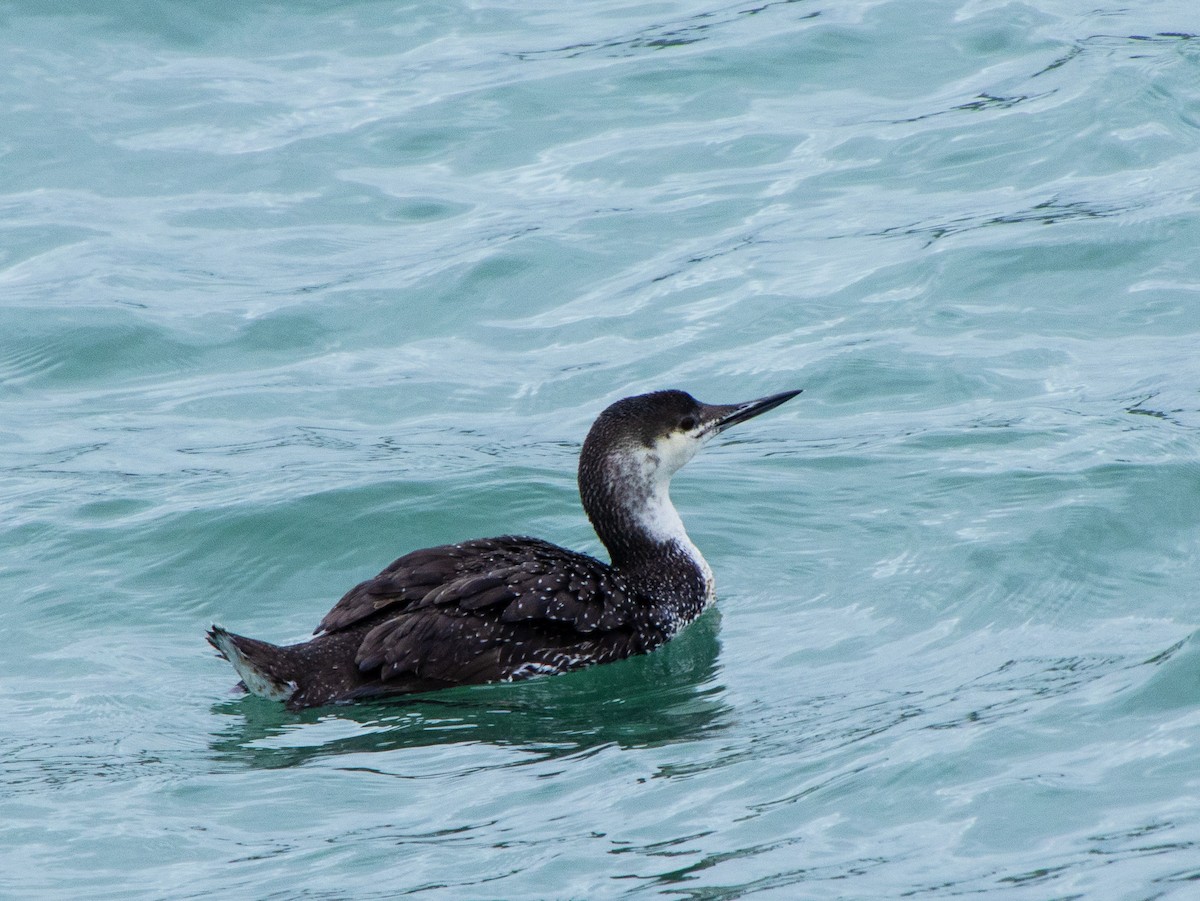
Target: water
286 290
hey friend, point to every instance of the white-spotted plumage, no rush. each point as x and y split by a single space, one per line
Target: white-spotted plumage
510 608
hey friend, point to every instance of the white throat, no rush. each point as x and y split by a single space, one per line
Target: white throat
661 520
651 508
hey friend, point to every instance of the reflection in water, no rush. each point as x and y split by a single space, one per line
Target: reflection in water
664 697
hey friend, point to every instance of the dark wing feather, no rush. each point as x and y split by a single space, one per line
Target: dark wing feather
410 579
496 608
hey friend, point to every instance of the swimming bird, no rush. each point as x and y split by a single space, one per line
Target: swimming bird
510 608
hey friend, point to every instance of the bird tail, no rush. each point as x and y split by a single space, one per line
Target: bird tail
264 667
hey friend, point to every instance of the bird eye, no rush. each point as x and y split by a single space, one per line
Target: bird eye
687 423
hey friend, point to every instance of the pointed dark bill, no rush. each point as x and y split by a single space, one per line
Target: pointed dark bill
726 415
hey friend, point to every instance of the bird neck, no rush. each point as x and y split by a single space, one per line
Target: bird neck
629 505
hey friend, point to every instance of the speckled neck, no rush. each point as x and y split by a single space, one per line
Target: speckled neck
626 495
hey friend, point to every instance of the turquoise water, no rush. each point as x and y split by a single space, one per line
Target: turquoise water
289 289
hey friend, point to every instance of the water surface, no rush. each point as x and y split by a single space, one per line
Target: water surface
287 290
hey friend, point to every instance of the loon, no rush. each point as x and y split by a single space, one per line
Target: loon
510 608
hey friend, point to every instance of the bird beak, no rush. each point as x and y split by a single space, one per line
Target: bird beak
727 415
